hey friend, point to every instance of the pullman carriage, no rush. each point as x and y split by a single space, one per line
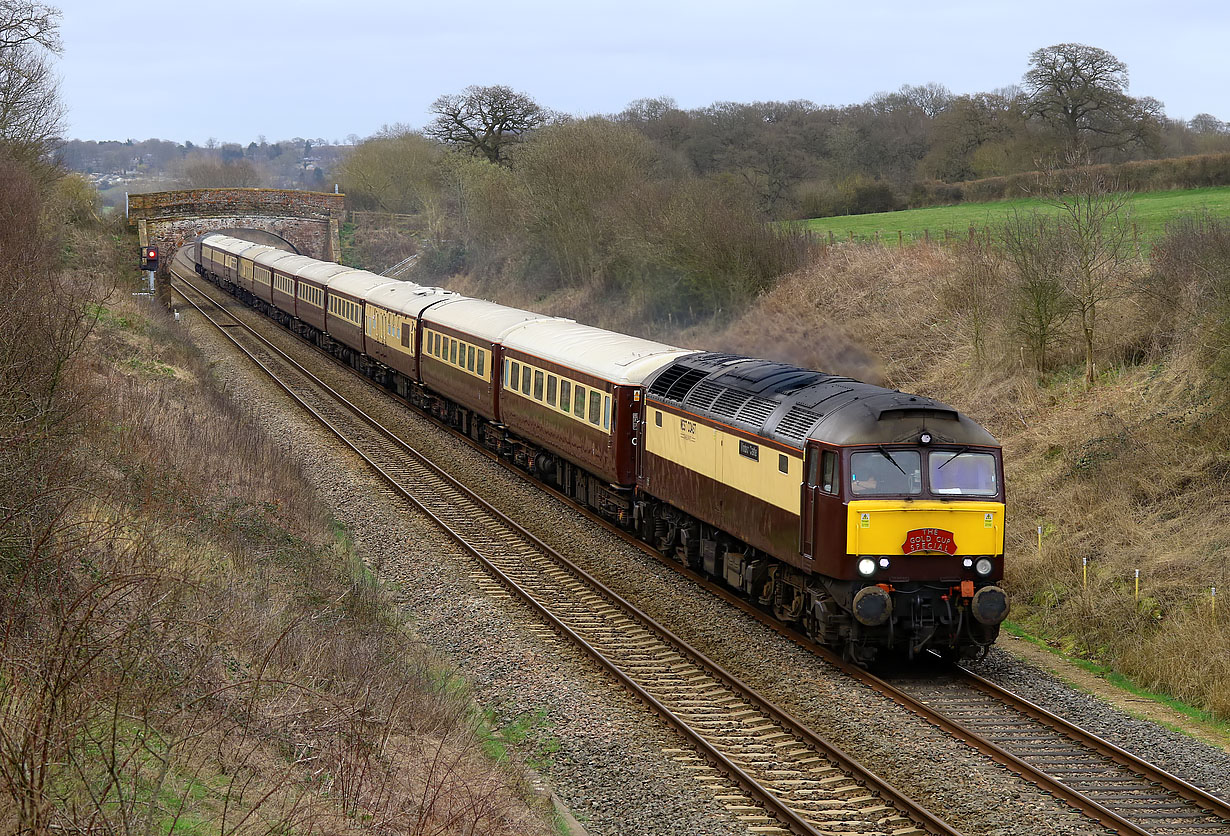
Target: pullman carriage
576 389
311 283
344 307
278 276
392 332
219 256
460 351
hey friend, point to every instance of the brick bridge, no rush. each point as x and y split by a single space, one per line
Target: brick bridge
310 222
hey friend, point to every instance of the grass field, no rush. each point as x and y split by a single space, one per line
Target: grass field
1150 211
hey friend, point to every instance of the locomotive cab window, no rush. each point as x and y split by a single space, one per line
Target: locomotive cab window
828 472
885 472
972 474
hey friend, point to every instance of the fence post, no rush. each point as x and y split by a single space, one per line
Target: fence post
900 239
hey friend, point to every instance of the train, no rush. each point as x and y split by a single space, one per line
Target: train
868 518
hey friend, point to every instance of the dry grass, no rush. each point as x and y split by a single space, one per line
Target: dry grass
188 643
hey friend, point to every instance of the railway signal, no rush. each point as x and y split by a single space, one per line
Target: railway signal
149 258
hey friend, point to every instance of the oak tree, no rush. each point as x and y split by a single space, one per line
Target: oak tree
485 120
1081 92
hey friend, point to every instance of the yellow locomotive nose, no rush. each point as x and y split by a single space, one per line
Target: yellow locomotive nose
899 527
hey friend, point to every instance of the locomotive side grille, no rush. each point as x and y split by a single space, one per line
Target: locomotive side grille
757 410
728 403
703 396
797 423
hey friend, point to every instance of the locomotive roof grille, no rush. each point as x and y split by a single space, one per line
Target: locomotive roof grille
703 396
757 410
675 384
729 403
797 423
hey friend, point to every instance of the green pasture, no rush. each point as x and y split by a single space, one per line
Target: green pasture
1150 211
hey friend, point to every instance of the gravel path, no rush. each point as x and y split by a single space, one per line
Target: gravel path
610 768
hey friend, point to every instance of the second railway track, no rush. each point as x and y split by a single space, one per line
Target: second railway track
1112 787
794 780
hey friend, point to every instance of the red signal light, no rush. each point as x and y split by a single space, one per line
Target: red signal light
153 253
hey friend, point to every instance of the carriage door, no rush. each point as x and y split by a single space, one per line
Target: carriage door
807 515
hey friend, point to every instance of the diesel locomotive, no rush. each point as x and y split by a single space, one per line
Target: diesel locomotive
869 518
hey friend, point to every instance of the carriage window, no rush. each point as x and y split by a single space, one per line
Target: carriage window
516 373
606 412
470 357
538 383
882 471
578 408
452 351
525 380
565 395
405 335
482 357
595 407
551 381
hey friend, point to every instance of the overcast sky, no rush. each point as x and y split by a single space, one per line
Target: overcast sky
237 70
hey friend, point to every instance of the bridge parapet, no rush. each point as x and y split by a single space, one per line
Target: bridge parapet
309 221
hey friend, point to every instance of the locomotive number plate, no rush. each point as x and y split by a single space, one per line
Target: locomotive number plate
929 540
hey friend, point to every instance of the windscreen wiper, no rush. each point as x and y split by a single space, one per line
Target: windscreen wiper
885 454
954 457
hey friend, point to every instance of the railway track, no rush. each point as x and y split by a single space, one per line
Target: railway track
1104 781
791 780
1111 786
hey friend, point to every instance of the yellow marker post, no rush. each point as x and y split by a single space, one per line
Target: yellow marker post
1137 595
1039 542
1085 572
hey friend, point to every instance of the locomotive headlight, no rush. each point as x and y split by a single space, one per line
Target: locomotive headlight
983 566
967 562
867 567
883 562
925 438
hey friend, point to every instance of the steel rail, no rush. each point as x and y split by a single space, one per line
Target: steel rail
782 811
988 748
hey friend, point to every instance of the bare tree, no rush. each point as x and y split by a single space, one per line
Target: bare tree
1033 246
485 120
1096 240
1081 91
31 116
23 23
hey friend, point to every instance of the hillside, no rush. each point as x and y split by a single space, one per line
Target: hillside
191 644
1129 472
